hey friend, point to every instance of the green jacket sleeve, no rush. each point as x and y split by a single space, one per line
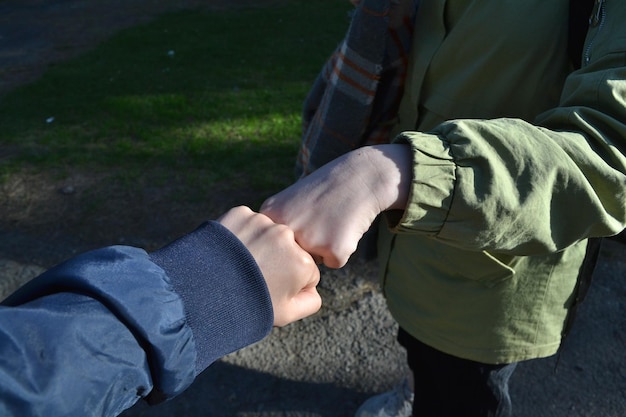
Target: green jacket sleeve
524 188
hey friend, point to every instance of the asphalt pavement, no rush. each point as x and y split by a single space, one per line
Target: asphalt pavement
328 364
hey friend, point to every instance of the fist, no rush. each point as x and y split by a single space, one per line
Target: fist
290 273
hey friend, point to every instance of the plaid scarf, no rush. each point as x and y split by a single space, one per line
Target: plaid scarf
354 100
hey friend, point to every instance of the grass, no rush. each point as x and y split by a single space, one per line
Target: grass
215 95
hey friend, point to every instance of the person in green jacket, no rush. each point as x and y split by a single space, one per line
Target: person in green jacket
507 158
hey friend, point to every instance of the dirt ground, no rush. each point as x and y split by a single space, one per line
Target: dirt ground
35 34
46 219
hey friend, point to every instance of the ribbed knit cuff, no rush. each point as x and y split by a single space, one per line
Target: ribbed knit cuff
226 301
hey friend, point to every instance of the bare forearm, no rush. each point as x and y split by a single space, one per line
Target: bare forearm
331 209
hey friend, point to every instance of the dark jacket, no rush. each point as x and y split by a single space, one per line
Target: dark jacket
109 327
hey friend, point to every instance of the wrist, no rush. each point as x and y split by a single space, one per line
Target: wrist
391 174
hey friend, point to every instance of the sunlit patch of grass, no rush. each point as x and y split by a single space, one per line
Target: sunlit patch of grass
211 95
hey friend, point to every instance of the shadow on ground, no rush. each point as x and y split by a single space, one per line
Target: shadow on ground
236 391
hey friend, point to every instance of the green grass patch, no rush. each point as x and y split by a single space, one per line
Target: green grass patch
216 94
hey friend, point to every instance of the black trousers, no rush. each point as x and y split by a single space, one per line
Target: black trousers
447 386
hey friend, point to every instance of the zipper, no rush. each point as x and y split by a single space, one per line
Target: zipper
596 13
596 20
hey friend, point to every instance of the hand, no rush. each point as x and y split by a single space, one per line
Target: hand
290 272
331 209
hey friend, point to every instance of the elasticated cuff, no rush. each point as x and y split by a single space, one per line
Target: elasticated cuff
226 300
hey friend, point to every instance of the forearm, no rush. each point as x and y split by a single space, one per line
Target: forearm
510 185
382 173
507 185
227 304
67 354
120 325
330 209
76 313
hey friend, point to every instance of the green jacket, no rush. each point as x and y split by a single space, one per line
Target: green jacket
517 161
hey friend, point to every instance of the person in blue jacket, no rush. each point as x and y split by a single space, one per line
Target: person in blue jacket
100 331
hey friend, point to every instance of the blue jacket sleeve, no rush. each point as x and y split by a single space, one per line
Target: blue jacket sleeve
102 330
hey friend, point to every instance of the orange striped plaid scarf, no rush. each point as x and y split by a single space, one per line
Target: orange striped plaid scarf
354 100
